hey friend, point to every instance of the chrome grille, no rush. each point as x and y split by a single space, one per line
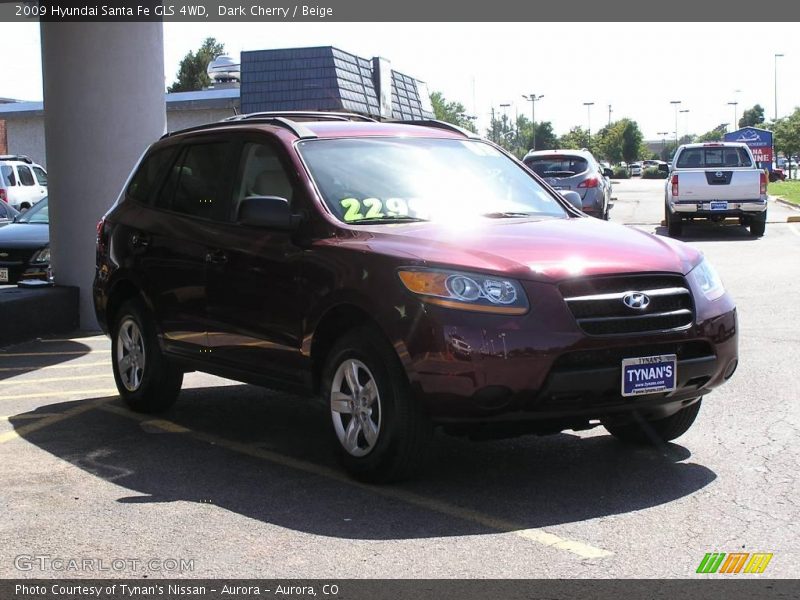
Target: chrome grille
598 307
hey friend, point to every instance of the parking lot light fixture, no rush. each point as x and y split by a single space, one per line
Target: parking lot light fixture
685 111
777 56
735 121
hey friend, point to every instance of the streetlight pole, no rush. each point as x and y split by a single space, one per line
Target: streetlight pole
505 117
675 103
533 99
777 56
663 135
588 106
685 111
735 121
609 115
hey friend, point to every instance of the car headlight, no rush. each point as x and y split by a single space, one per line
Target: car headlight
466 291
708 280
41 256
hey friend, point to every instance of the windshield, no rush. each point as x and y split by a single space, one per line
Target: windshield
403 179
38 213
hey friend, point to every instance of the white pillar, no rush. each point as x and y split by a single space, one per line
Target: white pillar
104 104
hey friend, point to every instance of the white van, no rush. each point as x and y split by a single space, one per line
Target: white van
22 182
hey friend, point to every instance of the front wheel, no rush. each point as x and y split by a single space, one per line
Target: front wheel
381 432
146 380
654 431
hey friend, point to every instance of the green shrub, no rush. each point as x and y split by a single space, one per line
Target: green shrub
653 173
621 173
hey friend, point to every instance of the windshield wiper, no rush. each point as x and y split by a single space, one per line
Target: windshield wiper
384 220
508 215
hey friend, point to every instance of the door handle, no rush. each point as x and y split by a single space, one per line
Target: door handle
139 240
216 257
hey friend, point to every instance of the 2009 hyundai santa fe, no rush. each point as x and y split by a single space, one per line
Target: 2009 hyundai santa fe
411 275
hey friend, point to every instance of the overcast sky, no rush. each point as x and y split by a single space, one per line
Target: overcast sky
638 68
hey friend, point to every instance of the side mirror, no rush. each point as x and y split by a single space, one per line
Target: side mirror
574 199
608 172
664 168
267 211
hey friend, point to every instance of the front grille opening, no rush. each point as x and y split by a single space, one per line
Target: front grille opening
613 357
599 308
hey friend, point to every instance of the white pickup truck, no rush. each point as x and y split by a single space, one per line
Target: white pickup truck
714 181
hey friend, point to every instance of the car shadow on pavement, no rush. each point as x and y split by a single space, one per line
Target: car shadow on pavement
712 232
32 356
270 457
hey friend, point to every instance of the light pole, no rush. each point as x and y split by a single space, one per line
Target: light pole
663 135
533 99
685 111
675 103
777 56
505 118
735 121
609 115
588 106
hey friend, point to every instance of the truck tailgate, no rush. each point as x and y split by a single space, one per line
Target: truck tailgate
724 184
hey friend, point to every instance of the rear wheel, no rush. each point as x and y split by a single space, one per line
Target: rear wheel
146 380
758 224
674 223
655 431
381 431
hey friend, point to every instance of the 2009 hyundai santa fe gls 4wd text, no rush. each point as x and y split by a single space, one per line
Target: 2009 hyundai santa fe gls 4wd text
413 276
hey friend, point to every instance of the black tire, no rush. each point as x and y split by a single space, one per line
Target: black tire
674 224
656 431
155 386
758 224
403 428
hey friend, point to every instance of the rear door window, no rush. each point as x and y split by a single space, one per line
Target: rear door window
25 175
199 183
713 158
9 176
557 166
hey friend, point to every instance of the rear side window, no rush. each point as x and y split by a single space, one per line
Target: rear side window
150 172
713 158
198 183
41 176
25 175
557 166
8 175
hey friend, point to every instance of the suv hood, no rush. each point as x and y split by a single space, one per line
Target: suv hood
544 250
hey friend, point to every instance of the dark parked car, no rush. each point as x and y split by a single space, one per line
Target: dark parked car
411 275
25 246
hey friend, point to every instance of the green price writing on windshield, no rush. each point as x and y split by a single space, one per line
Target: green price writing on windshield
372 208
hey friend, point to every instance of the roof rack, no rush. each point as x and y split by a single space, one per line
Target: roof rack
19 157
288 119
439 125
296 128
303 115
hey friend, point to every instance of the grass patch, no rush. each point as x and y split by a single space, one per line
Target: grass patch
788 190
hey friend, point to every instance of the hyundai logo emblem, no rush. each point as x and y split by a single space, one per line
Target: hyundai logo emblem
636 300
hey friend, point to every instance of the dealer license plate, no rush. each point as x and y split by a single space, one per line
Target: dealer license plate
649 374
719 205
3 275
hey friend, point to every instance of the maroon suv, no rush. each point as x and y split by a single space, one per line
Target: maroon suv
411 275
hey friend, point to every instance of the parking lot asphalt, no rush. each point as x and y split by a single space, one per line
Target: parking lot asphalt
241 481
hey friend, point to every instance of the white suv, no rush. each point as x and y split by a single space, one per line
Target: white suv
22 182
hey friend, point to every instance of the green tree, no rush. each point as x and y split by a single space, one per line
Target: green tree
714 135
192 74
546 138
632 139
787 134
577 138
620 140
752 116
451 112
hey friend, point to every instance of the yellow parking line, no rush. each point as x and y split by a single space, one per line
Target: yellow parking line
536 535
61 393
64 366
47 421
98 338
68 353
54 379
